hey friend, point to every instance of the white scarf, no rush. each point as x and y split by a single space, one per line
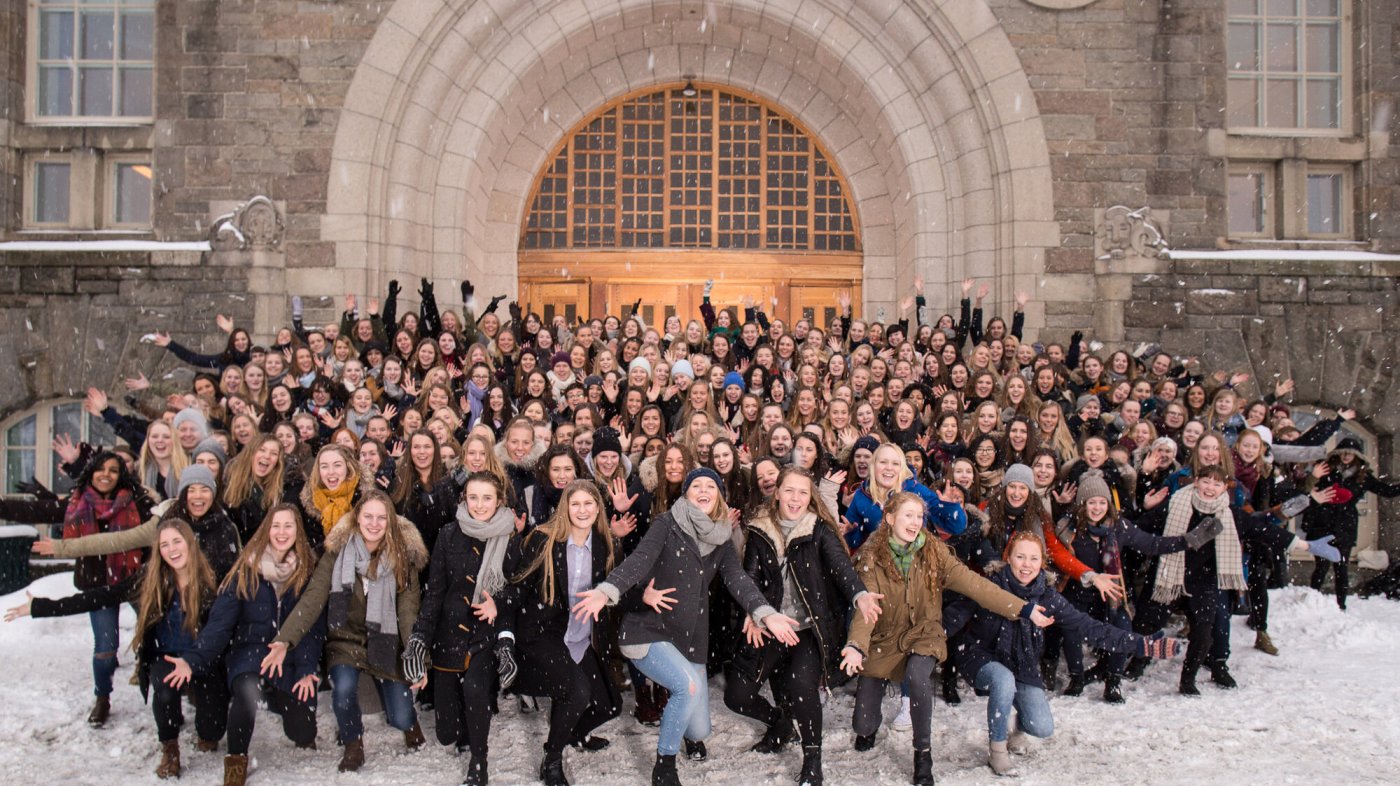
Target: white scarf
1229 560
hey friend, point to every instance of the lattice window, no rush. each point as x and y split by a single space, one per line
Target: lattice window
712 170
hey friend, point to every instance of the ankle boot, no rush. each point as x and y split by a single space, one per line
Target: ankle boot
235 770
1113 689
923 768
206 746
1075 686
552 769
1264 644
663 773
1188 681
169 766
1220 675
776 738
999 759
101 711
648 711
413 738
476 771
811 766
354 756
695 750
864 743
1136 667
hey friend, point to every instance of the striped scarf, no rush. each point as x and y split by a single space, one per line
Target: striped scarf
1229 560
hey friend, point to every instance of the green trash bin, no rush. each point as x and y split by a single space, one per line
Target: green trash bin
15 540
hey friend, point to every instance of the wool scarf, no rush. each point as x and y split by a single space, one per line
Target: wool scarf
381 602
495 532
1229 559
276 572
904 553
332 505
1019 642
707 533
90 513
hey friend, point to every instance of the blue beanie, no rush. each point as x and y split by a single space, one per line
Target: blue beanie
734 378
702 472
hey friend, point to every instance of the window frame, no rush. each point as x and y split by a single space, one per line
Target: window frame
32 115
1345 199
45 463
110 164
30 206
1345 62
1268 173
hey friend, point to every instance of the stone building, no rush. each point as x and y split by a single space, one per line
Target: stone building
1212 174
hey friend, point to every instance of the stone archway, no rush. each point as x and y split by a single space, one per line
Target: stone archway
456 105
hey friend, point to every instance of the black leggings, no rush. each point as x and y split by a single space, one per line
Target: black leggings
1203 609
1319 575
918 676
208 692
582 698
795 675
462 700
298 717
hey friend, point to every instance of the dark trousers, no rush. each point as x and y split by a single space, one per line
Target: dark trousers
298 717
918 678
462 700
1207 611
795 674
1340 583
1089 602
208 692
582 698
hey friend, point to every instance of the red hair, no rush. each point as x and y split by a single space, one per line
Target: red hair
1020 536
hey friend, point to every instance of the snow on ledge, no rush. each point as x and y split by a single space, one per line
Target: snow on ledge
1286 255
102 245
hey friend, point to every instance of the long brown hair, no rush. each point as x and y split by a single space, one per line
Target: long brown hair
392 550
239 478
160 584
814 504
245 574
665 493
406 475
875 552
556 531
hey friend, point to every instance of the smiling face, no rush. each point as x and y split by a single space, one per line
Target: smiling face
104 478
331 466
703 494
1096 508
174 549
887 466
282 532
908 521
1026 559
199 498
674 466
583 510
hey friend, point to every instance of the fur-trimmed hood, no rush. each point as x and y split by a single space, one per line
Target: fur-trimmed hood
647 472
763 523
417 550
526 464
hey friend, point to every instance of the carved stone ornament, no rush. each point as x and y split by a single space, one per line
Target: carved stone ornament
1126 232
254 225
1060 5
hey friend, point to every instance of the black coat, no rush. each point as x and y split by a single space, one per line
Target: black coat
245 627
446 620
1340 519
431 509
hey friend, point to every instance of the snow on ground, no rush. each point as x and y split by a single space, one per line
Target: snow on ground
1321 712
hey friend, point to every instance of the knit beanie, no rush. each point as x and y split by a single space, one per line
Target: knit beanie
702 472
213 447
557 358
191 415
591 380
1019 473
196 475
867 442
683 369
734 378
1092 484
1084 401
640 361
605 440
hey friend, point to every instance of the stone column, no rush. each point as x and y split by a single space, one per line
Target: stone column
1126 243
249 235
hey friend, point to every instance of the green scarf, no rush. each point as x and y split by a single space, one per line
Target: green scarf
904 554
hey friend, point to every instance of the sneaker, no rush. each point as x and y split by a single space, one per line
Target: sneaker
903 721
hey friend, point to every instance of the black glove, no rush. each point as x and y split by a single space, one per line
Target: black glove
495 301
515 314
636 307
1204 532
506 667
415 660
426 289
33 486
1076 337
394 288
467 291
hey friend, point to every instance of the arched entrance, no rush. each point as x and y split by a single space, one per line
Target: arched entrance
664 188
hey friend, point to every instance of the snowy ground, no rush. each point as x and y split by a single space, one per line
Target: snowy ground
1324 711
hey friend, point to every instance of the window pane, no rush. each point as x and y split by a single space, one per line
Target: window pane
21 434
55 91
19 467
99 433
1323 111
1322 8
1282 102
1244 47
1283 7
1246 207
95 86
1244 7
1243 103
97 35
1283 48
133 192
1322 48
50 202
136 92
1325 203
138 36
67 420
56 35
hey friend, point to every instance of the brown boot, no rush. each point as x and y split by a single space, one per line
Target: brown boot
354 757
169 766
101 711
1264 644
413 738
206 746
235 770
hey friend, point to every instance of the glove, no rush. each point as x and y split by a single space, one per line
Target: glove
415 660
506 667
1075 338
296 307
33 486
495 301
515 313
709 285
394 288
1159 646
467 291
1323 549
426 289
636 307
1204 532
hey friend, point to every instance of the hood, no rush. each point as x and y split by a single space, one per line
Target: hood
526 464
764 524
417 550
647 472
626 464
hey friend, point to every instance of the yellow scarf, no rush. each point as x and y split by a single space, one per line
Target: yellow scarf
334 504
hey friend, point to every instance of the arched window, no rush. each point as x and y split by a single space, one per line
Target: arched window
29 434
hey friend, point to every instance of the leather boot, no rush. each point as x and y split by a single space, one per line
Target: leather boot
1113 689
1264 644
865 742
206 746
169 766
476 772
354 756
552 769
413 738
101 711
648 711
695 750
776 738
811 766
1220 675
1188 681
923 768
1075 686
663 773
235 770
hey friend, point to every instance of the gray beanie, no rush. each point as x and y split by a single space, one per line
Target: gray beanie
197 475
191 415
212 446
1092 484
640 361
1084 401
1019 473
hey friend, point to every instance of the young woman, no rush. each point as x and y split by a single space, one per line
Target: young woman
172 596
910 569
798 561
367 585
1003 653
562 655
890 474
683 550
254 601
254 484
336 484
1346 471
162 460
425 490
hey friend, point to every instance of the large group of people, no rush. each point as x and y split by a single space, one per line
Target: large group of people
466 509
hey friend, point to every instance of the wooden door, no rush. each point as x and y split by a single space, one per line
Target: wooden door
659 301
816 304
568 299
728 295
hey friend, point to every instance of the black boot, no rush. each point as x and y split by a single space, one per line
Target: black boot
1047 673
1136 667
865 742
476 772
1113 689
811 766
1097 673
923 768
1075 686
663 773
776 738
552 769
1220 675
950 685
1188 681
696 751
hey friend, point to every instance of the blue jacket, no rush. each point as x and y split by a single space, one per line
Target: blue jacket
246 627
865 514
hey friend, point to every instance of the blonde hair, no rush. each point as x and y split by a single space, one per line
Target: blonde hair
239 479
243 579
179 459
557 530
882 497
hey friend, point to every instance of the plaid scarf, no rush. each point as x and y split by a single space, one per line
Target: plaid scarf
90 513
1229 560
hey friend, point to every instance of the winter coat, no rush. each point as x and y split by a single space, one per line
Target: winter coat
215 532
866 515
446 620
911 620
1340 519
246 627
641 509
348 644
981 637
520 474
816 559
431 509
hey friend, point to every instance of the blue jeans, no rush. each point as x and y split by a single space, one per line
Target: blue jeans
688 710
345 700
105 641
1004 693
